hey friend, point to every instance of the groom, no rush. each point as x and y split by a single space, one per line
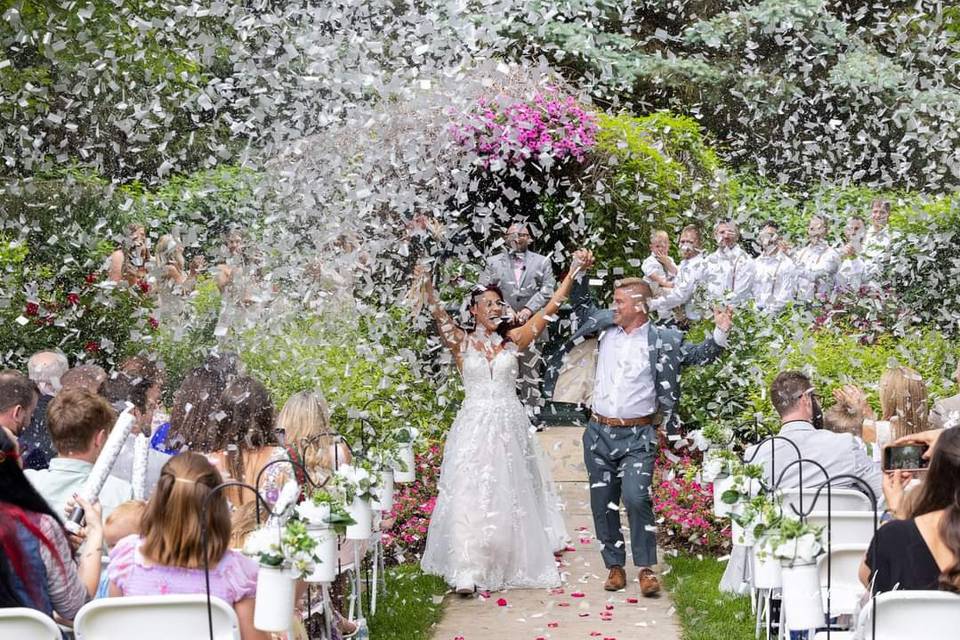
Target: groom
635 391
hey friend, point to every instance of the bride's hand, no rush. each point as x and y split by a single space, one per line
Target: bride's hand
582 261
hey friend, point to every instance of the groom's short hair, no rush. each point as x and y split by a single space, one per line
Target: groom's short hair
634 283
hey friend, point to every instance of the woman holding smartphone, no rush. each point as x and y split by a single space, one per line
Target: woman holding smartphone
921 550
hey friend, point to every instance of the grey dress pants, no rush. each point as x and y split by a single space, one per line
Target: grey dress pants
620 463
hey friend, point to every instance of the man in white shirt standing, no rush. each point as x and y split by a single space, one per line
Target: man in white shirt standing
636 388
851 274
876 242
691 277
774 273
817 262
729 270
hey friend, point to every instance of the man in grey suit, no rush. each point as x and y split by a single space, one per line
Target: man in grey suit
636 388
526 280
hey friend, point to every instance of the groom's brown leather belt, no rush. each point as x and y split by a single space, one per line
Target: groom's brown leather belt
623 422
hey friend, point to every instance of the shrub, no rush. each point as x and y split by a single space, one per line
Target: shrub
683 507
413 507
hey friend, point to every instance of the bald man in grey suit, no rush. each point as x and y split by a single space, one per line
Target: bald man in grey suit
526 280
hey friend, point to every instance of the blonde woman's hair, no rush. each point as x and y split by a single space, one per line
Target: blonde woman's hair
165 252
903 400
171 526
305 420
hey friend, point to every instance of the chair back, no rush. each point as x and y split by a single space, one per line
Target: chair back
846 527
931 615
845 588
182 617
840 500
23 623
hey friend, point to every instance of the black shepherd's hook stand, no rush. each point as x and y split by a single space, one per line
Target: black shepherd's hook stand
800 462
203 534
773 458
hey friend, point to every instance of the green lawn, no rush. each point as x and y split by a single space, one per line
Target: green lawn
412 606
704 612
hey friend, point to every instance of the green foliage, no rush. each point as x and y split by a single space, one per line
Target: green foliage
658 173
411 606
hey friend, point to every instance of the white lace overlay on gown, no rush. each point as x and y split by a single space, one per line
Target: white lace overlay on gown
497 519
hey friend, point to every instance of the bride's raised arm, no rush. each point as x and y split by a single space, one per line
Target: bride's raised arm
524 336
451 335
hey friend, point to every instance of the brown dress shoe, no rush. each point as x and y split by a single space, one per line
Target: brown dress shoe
617 579
649 583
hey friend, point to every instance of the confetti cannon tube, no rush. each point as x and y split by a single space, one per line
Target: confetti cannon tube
141 455
103 465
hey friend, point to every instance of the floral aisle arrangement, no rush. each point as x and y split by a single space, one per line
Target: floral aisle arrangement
403 460
325 517
358 483
797 545
286 552
683 507
413 505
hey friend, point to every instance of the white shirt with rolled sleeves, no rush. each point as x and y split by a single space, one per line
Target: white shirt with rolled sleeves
691 276
623 387
850 274
729 276
774 281
817 265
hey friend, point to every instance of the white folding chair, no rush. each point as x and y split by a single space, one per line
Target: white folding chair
183 617
845 588
840 500
27 624
846 527
931 615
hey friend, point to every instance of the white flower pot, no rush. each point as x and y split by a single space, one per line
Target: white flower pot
741 536
406 456
801 596
384 492
273 610
326 551
362 513
721 484
767 573
314 514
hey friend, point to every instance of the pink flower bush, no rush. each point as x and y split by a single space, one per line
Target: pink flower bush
413 506
550 126
684 509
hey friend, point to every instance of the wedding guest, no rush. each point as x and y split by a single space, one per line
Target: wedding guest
196 403
903 401
84 376
877 238
527 282
172 281
131 261
37 567
168 555
729 270
658 268
852 270
123 522
817 262
246 442
311 439
946 412
691 278
920 548
79 422
775 274
18 401
45 369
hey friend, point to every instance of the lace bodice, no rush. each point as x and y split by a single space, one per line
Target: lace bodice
485 379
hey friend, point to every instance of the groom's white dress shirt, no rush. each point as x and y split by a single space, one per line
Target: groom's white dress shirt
624 385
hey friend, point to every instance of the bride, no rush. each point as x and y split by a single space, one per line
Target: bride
497 522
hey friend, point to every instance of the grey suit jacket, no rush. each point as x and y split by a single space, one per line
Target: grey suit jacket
669 353
536 284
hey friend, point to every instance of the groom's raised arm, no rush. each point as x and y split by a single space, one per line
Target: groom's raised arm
710 349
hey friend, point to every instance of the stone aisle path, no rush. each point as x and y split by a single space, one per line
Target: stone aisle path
580 609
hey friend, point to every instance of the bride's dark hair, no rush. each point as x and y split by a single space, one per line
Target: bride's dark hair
506 325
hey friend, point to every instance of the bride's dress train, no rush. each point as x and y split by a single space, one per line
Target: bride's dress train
497 520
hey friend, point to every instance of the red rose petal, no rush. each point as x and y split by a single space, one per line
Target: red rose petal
632 600
553 625
608 607
502 602
576 594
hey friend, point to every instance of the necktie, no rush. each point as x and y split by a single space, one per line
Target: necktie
518 267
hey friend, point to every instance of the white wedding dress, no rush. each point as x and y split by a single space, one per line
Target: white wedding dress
497 519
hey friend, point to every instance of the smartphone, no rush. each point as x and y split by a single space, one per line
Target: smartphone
908 457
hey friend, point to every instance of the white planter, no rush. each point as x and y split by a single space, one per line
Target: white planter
801 597
384 492
741 536
362 513
767 574
273 610
721 484
314 514
405 455
326 551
